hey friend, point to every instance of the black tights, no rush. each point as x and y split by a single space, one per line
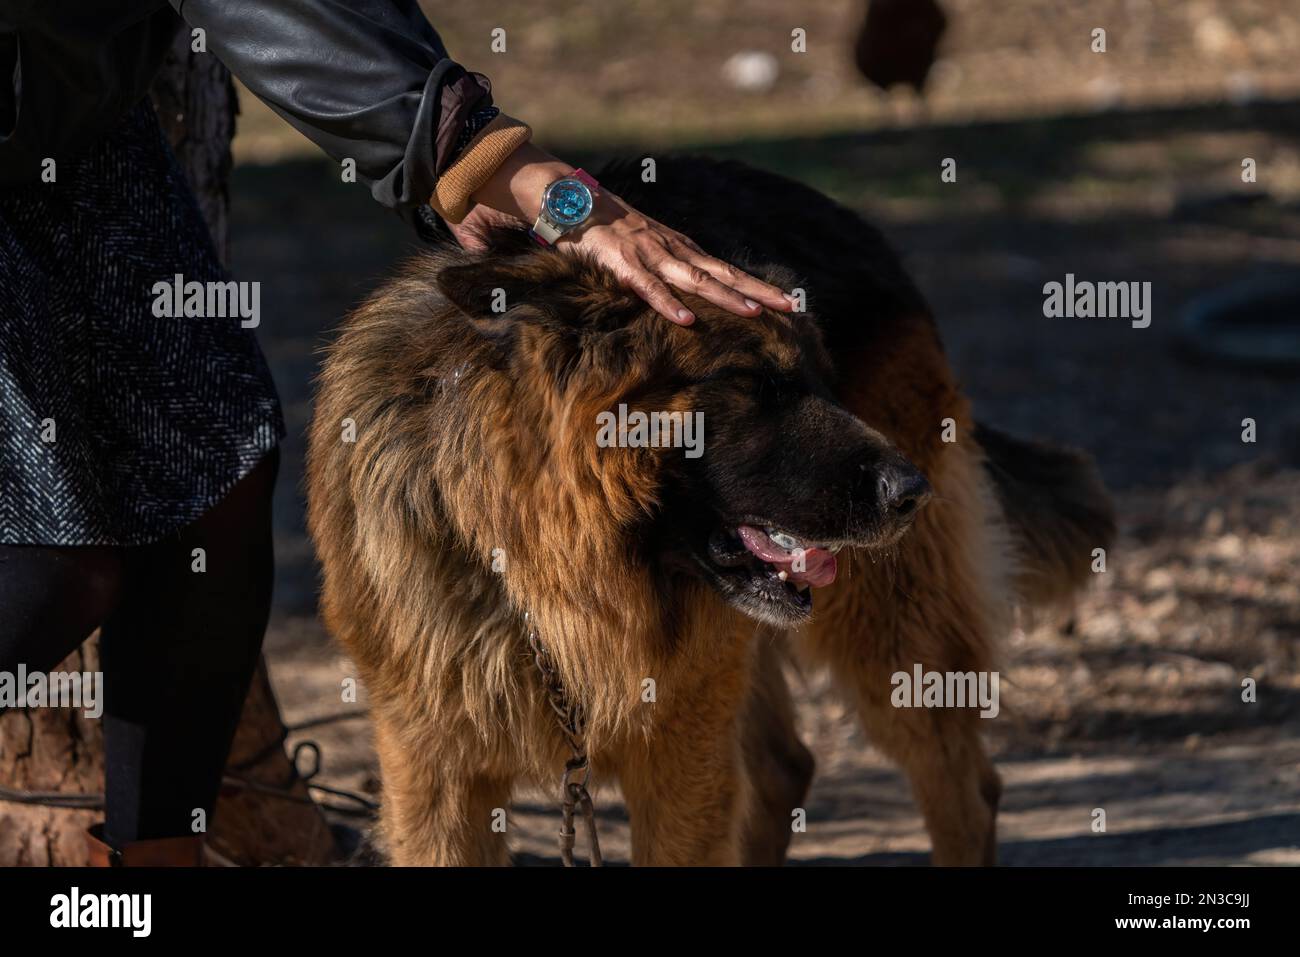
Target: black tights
178 648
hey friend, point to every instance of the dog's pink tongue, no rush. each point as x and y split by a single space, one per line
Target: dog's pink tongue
819 565
819 568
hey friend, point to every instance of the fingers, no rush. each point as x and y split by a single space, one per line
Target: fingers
694 278
471 232
656 292
746 285
701 274
720 282
468 235
650 257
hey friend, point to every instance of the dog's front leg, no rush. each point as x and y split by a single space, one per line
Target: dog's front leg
779 766
436 811
685 801
686 787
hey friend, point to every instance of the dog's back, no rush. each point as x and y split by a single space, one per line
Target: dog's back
1012 523
892 371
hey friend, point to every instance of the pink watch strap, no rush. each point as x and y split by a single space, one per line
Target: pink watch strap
583 176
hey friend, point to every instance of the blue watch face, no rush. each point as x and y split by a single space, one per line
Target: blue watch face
568 202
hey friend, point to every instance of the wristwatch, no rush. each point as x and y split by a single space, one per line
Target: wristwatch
566 204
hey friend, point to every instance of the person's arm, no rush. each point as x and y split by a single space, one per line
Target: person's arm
369 80
366 80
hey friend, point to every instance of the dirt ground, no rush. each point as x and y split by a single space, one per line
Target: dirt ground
1120 169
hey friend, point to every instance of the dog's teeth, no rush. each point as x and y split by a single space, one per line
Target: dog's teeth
783 575
788 542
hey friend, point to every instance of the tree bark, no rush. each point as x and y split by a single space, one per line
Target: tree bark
58 750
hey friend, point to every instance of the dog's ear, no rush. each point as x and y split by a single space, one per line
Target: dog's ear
496 295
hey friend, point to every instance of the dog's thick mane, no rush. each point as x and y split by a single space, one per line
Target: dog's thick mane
474 459
454 483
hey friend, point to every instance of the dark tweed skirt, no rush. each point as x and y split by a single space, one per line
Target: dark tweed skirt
118 427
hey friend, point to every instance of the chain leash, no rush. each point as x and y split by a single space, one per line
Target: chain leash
574 797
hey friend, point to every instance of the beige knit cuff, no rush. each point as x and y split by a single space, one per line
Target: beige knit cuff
481 158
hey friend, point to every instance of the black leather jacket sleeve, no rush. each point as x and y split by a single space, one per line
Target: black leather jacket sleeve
367 80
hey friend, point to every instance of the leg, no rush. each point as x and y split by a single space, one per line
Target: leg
435 815
942 602
52 599
178 655
686 809
687 789
940 749
953 780
780 768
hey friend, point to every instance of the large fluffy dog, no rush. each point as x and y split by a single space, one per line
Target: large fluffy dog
457 482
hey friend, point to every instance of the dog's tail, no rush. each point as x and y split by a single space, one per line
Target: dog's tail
1057 511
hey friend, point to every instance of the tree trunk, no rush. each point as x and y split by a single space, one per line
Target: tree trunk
60 752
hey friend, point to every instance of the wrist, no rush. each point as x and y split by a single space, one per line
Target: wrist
477 163
517 186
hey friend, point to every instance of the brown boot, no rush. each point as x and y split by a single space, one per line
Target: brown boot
164 852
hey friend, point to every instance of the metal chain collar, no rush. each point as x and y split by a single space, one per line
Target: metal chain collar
577 770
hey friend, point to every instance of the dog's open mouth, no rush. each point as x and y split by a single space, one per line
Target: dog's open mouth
769 573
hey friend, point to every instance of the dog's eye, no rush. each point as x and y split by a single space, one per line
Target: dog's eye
744 376
766 386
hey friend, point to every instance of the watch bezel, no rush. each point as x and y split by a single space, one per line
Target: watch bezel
546 199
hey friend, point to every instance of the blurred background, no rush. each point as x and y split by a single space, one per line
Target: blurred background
1117 166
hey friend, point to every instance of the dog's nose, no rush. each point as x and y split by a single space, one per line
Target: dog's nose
903 490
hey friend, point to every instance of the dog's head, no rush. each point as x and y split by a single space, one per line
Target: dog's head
716 449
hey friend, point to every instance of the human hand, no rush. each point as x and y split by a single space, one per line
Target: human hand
648 257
